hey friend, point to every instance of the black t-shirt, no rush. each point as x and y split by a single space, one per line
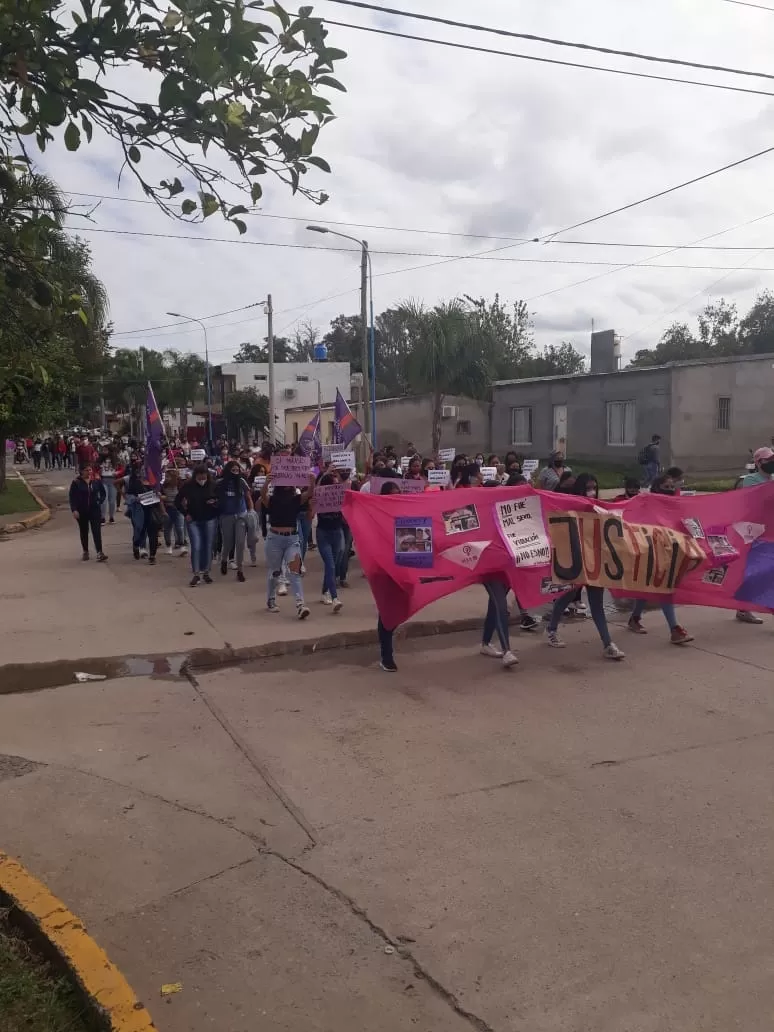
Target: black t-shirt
284 507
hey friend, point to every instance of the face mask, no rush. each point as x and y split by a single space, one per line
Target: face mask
591 492
201 483
768 467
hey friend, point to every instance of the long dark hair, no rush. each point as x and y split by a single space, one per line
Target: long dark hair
582 482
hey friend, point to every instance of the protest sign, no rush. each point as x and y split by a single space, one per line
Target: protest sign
330 449
440 477
529 468
148 498
404 462
290 471
447 454
258 483
343 459
329 497
488 473
412 486
521 527
198 455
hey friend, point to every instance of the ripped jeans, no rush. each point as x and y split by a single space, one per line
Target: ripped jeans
281 551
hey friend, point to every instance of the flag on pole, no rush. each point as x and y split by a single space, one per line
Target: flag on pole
345 427
154 431
310 441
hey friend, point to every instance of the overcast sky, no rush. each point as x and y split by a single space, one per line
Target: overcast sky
431 138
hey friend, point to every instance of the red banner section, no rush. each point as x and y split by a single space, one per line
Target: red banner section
710 550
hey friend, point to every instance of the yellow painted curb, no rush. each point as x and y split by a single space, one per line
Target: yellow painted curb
37 519
98 978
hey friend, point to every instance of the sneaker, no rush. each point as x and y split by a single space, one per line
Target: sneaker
744 617
553 639
344 584
103 522
240 577
338 605
101 557
612 651
635 626
680 636
272 606
302 611
303 569
136 553
581 609
194 580
253 561
232 564
111 520
223 569
206 578
282 589
510 659
326 599
169 549
528 623
85 557
152 560
492 651
143 553
183 551
389 666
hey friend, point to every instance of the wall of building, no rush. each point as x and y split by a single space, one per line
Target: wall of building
400 421
586 397
699 444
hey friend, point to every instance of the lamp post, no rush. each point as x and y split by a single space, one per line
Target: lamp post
368 343
189 318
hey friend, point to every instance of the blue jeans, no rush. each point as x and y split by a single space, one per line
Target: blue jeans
304 532
136 514
651 472
202 535
596 605
330 544
342 567
667 609
385 643
174 521
281 550
497 615
109 505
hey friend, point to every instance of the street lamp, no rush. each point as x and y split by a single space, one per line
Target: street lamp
189 318
368 350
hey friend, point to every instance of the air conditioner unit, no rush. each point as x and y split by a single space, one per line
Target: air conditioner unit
449 412
289 393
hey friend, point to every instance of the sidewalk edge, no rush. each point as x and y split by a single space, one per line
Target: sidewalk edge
36 519
62 937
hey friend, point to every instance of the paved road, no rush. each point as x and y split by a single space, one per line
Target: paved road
313 844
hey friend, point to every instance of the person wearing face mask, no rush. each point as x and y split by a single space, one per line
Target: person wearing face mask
86 498
414 471
199 504
764 471
107 463
133 488
234 503
550 475
469 476
587 487
283 548
631 490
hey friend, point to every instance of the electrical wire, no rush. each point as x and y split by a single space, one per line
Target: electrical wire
162 326
746 3
473 27
546 60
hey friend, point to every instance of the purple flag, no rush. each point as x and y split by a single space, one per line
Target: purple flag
310 442
345 427
154 431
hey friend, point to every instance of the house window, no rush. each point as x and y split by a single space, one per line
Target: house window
521 425
723 416
295 433
621 424
331 431
463 426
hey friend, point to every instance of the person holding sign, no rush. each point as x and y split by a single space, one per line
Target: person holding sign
330 539
86 498
283 547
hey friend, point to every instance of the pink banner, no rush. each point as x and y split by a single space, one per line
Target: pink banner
710 550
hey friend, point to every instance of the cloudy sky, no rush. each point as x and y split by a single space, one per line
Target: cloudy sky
430 138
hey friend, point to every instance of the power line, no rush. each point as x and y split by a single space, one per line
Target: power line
162 326
746 3
546 60
546 39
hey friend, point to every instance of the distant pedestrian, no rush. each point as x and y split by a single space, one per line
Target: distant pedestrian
650 460
86 498
551 473
37 452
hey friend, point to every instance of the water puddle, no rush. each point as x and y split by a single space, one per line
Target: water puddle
35 677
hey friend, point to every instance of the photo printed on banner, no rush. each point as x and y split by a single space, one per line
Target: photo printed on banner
721 547
460 521
694 527
414 541
716 575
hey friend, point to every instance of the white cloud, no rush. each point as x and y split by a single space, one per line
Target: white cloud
430 137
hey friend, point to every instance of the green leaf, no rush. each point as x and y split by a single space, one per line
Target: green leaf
189 207
72 137
134 154
314 159
331 54
328 80
52 108
171 20
87 126
240 225
235 113
256 192
209 204
239 209
83 317
175 188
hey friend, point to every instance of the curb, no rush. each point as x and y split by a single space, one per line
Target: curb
65 942
37 519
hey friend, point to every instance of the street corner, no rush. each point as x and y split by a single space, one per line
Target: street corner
61 938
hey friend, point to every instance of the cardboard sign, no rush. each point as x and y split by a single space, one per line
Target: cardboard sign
489 473
521 527
447 454
605 551
343 459
404 462
258 483
291 470
148 498
529 468
329 497
441 477
198 455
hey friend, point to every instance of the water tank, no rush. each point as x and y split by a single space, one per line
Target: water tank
321 352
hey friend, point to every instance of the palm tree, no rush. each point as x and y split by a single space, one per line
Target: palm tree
449 354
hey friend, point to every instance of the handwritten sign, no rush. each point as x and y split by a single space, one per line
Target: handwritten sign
290 471
447 454
343 460
489 473
148 498
329 497
198 455
412 486
258 482
439 477
529 467
523 531
405 462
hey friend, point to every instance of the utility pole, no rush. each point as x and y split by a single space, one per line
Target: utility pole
143 411
269 310
102 400
364 321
